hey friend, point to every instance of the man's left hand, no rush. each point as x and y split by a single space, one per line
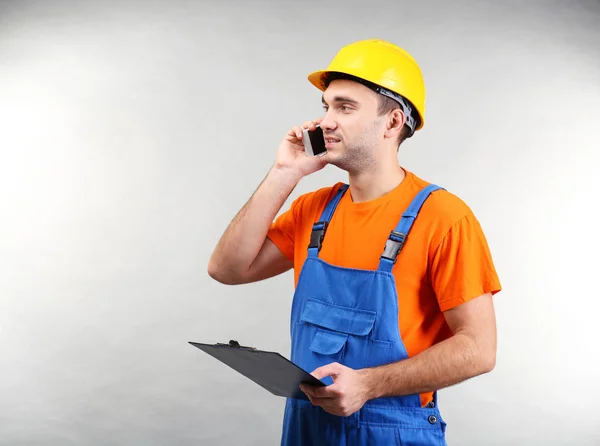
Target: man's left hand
348 393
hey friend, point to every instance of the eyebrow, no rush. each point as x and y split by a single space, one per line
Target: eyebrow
340 99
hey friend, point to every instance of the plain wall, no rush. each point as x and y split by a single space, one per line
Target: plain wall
132 132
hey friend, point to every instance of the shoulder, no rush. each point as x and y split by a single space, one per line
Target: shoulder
442 203
442 210
311 204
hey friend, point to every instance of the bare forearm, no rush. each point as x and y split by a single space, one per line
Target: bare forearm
244 237
445 364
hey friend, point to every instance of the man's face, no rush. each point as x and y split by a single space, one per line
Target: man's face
352 129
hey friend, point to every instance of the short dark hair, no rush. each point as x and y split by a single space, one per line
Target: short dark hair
386 104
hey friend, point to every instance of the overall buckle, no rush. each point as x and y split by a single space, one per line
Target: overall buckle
393 245
317 235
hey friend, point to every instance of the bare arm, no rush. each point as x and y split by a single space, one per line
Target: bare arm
244 253
471 351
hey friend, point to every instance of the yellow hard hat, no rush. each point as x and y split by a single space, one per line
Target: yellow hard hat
384 64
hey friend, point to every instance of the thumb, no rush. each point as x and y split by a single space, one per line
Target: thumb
333 370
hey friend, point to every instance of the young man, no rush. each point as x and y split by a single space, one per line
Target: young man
394 278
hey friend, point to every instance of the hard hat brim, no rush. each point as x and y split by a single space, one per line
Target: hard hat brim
315 78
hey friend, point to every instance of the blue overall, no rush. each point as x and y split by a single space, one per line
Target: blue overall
350 316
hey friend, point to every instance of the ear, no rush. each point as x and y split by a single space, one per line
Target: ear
395 123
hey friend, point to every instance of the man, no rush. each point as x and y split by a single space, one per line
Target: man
394 278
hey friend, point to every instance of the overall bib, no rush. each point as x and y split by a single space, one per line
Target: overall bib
350 316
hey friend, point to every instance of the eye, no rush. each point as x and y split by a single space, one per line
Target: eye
345 108
325 107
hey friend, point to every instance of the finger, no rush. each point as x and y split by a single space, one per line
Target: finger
308 125
336 407
324 399
333 370
324 402
316 392
317 401
297 132
330 408
313 390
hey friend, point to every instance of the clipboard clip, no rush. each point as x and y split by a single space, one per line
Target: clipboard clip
234 344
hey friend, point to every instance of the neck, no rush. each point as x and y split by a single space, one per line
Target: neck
374 183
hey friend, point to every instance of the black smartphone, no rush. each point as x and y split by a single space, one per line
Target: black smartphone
314 142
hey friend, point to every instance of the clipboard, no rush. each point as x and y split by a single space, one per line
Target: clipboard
270 370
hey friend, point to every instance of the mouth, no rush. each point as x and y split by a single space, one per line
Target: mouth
330 142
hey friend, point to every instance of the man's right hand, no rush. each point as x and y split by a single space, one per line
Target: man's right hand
292 156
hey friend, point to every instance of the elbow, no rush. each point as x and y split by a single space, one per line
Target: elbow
215 272
488 361
222 275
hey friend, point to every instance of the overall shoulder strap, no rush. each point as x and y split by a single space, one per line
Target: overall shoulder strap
397 237
320 227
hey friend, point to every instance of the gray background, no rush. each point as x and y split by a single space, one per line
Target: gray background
132 132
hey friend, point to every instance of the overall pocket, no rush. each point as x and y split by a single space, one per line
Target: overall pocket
342 334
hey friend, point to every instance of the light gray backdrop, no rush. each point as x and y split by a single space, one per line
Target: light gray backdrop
132 132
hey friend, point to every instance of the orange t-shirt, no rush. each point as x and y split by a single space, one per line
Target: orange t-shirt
445 260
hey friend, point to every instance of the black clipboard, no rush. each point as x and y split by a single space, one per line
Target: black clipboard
269 370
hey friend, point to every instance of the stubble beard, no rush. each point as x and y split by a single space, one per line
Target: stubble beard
359 155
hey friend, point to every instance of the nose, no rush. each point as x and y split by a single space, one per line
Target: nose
328 124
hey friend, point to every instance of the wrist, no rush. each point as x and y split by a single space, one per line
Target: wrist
285 175
371 383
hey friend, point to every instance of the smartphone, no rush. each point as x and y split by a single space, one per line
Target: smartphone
314 142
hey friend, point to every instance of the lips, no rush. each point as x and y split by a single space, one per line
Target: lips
330 143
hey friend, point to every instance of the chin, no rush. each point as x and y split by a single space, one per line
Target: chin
336 149
331 157
336 161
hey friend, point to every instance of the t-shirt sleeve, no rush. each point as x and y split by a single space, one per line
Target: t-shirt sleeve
288 227
462 267
282 231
